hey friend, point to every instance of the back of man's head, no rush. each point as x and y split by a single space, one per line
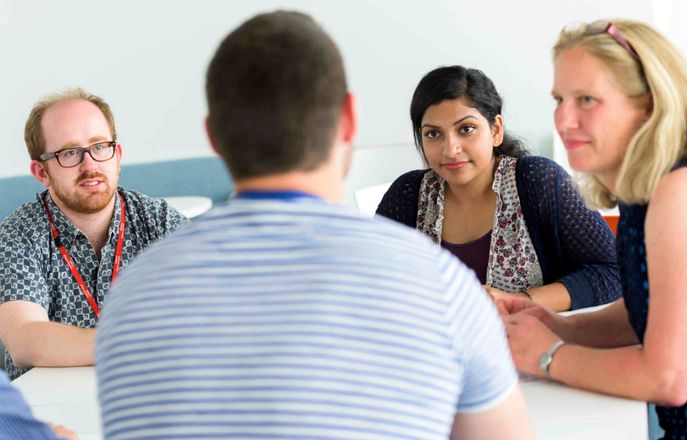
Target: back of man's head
275 90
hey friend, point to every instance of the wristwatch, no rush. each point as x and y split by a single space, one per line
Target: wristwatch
546 358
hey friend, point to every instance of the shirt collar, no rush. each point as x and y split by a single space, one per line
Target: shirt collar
275 195
505 162
65 228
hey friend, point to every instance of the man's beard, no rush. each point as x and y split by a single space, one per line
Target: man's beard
76 201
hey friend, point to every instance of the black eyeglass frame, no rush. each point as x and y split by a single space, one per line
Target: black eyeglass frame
82 151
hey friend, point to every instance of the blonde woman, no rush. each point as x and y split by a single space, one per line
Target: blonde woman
621 111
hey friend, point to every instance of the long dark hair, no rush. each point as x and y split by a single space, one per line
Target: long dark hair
471 85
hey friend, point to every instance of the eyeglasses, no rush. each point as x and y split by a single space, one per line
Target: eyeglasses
73 156
604 27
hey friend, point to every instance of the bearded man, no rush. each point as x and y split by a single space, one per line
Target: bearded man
60 254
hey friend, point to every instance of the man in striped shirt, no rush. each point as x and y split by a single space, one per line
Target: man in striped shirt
283 314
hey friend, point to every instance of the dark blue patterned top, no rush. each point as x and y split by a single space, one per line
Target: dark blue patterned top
633 273
32 268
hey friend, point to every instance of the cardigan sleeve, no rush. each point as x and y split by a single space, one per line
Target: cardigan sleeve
574 244
400 202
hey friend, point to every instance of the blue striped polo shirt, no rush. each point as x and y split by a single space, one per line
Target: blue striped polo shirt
16 419
294 318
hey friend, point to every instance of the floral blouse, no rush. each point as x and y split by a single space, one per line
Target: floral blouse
513 263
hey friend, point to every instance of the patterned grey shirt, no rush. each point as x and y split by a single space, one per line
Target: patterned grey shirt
32 268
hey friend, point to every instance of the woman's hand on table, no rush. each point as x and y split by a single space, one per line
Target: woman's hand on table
528 339
510 305
500 294
560 325
532 329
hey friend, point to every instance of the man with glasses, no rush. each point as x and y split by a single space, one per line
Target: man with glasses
60 254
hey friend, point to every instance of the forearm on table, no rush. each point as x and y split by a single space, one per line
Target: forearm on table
554 296
627 372
605 328
51 344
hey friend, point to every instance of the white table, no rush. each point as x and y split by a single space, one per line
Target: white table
68 396
560 412
190 206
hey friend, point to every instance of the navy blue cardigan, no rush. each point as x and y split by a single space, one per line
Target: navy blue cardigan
574 245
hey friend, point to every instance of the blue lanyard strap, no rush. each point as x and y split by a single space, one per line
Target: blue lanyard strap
275 195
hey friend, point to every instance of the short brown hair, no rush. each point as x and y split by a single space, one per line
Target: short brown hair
275 90
33 135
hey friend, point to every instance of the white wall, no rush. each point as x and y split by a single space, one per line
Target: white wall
669 18
148 59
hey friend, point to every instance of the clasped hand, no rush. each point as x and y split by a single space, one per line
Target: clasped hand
530 330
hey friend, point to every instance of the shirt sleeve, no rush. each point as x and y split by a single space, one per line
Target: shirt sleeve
400 201
21 270
16 419
158 219
590 245
578 246
478 338
172 219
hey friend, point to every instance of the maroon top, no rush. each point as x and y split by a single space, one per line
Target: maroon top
474 254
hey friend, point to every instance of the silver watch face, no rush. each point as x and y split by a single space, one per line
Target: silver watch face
544 362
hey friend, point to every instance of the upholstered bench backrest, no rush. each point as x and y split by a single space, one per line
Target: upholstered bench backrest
204 176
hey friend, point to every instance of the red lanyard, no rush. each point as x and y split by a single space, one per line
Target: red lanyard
70 263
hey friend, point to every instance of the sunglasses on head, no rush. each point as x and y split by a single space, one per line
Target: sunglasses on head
604 27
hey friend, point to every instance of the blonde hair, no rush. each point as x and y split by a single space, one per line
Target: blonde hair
33 135
661 70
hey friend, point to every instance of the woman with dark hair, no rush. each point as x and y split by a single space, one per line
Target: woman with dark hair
516 220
